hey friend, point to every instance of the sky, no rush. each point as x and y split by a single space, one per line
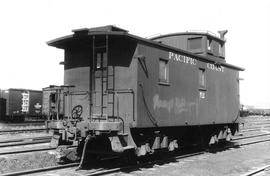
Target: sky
26 61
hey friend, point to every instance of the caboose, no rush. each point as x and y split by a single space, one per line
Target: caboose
124 93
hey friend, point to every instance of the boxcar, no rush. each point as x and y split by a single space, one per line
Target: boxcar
126 93
22 103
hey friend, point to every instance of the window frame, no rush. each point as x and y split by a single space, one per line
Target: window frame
202 83
166 80
195 50
202 78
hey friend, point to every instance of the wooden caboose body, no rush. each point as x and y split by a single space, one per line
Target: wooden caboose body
147 94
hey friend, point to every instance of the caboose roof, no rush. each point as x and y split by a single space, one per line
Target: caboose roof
88 33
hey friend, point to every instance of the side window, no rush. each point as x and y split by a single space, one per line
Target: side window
101 59
220 50
209 41
202 83
195 43
202 78
163 71
98 64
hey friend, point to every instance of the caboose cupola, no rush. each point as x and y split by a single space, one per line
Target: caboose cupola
201 43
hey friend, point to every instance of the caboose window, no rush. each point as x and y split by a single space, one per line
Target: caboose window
220 48
163 71
98 60
195 43
202 78
209 44
101 60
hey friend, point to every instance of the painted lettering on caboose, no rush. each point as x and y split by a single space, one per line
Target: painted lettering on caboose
215 68
176 105
182 58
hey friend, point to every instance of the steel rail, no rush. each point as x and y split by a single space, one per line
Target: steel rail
25 143
24 130
257 171
251 136
157 161
33 171
254 127
254 142
31 150
259 129
32 123
26 151
149 163
26 139
118 169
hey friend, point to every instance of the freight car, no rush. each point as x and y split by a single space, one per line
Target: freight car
19 104
52 99
127 94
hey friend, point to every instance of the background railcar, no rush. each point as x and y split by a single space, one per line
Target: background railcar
21 104
52 103
126 93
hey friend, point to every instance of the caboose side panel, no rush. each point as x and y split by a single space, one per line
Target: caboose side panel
181 100
168 102
220 102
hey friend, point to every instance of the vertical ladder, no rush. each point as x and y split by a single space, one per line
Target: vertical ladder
102 83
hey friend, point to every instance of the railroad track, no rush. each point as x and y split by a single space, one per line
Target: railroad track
118 169
250 136
103 171
254 129
37 141
258 171
31 150
25 139
23 130
27 151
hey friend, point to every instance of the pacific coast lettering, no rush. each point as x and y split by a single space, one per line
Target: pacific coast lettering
192 61
215 68
181 58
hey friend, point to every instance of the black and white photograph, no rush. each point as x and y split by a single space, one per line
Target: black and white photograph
135 88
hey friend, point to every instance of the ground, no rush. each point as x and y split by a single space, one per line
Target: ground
231 162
